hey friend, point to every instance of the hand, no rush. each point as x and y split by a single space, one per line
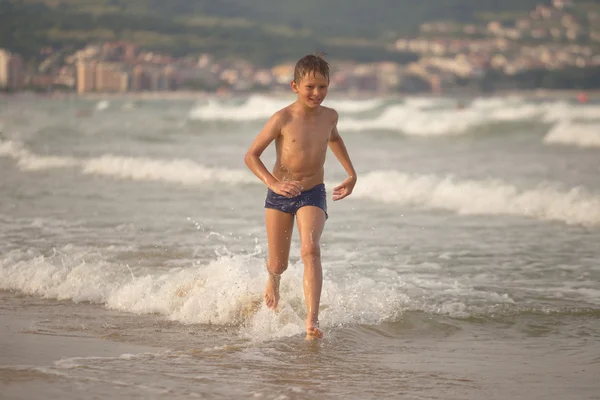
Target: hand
344 189
287 188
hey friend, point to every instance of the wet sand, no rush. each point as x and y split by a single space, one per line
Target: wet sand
28 352
39 360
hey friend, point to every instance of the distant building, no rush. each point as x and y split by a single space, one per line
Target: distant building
119 51
154 78
560 4
4 57
111 77
140 79
12 71
86 77
101 77
169 78
283 73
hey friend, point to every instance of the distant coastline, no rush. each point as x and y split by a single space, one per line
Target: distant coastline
593 95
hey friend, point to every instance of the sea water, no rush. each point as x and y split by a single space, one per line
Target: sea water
465 265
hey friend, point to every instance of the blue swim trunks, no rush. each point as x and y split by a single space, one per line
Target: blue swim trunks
313 197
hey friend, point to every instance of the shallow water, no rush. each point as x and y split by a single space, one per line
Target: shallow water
467 257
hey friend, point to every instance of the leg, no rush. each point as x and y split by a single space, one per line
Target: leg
279 236
311 221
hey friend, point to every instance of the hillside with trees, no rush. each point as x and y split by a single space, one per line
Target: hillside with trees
262 31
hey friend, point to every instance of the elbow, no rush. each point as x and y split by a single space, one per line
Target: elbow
248 159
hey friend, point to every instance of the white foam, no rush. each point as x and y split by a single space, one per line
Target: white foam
426 102
181 171
34 163
431 117
496 102
521 112
226 291
102 105
561 111
577 134
258 107
413 121
229 291
515 108
29 161
12 149
195 295
255 108
545 202
353 106
221 292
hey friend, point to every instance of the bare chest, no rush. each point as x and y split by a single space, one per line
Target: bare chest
307 137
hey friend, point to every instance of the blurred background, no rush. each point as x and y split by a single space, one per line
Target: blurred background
132 240
376 47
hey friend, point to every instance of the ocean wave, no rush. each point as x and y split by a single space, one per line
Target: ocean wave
29 161
563 111
413 121
576 134
547 201
228 291
259 107
412 116
181 171
493 197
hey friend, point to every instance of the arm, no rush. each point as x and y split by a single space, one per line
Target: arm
270 132
337 146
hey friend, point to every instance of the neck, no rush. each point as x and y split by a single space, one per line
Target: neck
307 110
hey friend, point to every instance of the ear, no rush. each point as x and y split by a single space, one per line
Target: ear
294 86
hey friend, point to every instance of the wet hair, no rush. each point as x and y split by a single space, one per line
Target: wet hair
311 64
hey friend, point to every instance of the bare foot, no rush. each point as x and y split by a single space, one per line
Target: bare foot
313 332
272 291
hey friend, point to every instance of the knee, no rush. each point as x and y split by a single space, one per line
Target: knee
277 266
310 251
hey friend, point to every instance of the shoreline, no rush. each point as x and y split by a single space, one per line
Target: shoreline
29 340
191 95
30 351
40 358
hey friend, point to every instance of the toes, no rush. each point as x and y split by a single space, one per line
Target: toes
314 333
270 302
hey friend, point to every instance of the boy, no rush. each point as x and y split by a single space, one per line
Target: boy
301 132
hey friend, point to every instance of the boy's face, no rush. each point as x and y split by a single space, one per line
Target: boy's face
311 89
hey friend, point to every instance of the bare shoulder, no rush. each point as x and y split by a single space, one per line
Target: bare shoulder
275 124
330 114
283 116
329 111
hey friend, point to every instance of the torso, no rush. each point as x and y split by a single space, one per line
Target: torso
302 146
